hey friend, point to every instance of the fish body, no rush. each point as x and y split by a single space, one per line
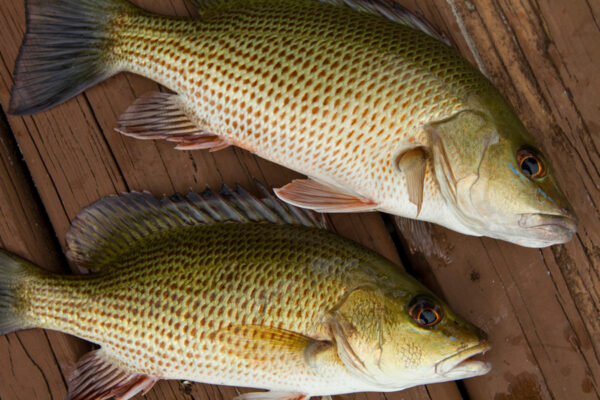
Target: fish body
379 115
321 89
192 289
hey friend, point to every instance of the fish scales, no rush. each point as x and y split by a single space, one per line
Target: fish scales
158 309
229 289
359 95
328 92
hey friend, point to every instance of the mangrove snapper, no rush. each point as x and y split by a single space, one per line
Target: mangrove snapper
234 290
357 94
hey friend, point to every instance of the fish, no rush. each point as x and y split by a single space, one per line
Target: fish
234 290
365 99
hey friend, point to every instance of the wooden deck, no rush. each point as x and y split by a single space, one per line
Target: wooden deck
540 307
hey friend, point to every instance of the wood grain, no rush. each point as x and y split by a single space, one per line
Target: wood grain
539 307
32 361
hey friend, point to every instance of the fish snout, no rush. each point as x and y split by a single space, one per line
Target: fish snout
463 364
555 229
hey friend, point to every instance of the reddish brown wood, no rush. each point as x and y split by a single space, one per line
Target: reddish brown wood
32 361
540 307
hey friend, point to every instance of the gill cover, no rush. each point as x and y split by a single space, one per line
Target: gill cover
459 145
358 327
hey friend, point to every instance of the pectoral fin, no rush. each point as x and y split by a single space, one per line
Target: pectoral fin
164 116
412 164
96 377
307 193
264 344
272 396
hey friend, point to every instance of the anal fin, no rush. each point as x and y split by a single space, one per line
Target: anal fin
307 193
163 116
96 377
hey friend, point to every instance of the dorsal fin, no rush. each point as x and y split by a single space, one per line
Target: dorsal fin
206 5
383 8
104 229
394 12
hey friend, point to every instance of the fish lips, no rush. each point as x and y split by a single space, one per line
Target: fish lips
461 365
553 229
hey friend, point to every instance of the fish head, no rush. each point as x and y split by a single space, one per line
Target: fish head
495 180
398 338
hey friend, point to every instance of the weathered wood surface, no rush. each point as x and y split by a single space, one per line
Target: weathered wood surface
539 307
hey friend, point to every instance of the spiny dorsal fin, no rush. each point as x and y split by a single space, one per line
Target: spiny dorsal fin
104 229
383 8
394 12
207 5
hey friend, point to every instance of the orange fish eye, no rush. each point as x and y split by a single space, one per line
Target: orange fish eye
531 163
424 312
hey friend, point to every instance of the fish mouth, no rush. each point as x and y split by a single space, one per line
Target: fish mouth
463 365
553 229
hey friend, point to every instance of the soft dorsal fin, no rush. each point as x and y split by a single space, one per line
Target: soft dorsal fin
394 12
106 228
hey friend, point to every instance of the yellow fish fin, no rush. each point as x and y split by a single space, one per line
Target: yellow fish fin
412 164
107 228
272 396
97 377
257 343
164 116
307 193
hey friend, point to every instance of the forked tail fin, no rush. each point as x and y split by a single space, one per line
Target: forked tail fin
13 271
64 51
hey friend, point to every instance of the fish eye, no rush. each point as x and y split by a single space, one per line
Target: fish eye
531 163
424 312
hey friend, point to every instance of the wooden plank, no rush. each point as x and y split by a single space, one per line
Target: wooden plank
543 326
75 157
540 307
30 366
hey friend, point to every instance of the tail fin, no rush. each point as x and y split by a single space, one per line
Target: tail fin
13 270
63 53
